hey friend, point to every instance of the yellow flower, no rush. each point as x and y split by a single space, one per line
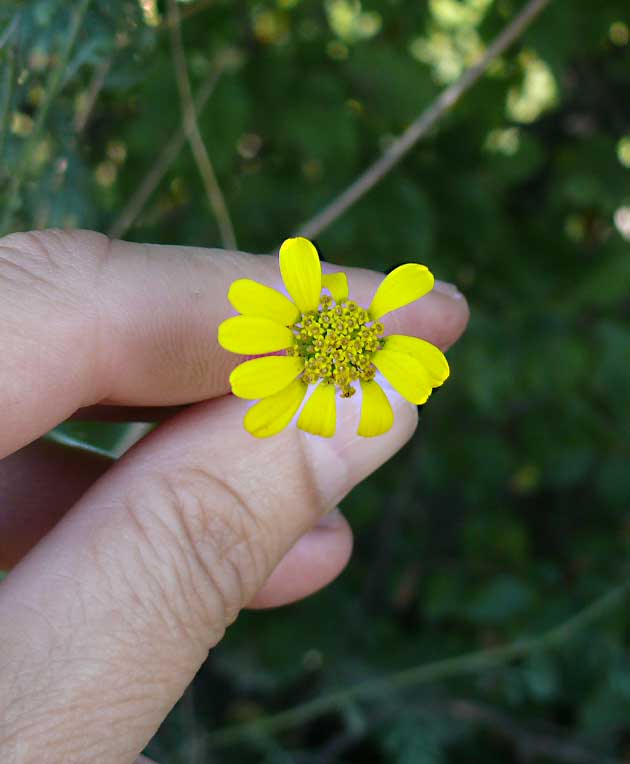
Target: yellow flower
327 341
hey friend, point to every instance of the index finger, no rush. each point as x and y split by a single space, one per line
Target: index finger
86 320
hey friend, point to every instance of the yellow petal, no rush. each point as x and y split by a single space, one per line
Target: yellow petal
405 374
430 357
265 376
271 415
377 416
254 336
319 415
301 272
253 299
337 285
400 287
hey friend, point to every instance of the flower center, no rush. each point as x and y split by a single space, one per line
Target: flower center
337 343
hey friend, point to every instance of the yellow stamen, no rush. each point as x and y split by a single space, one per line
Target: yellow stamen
337 343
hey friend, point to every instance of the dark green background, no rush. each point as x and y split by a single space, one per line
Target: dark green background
508 512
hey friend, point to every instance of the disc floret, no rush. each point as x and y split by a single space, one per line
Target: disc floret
337 342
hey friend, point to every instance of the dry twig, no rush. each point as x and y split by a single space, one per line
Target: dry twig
188 12
469 663
83 115
204 165
421 126
165 159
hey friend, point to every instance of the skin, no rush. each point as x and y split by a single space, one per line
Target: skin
124 575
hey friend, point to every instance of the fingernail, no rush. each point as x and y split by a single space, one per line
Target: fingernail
448 290
340 462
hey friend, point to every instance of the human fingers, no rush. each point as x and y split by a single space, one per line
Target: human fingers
316 559
109 617
41 482
85 320
38 485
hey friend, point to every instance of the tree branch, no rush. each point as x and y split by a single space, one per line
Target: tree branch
204 165
96 85
421 125
529 741
469 663
165 158
188 12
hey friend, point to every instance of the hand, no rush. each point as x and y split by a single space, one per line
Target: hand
110 614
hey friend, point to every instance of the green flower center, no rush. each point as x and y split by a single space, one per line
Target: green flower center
337 343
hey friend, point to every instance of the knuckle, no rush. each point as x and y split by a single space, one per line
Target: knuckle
51 278
53 258
210 545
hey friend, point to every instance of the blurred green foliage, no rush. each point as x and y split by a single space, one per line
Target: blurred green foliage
509 510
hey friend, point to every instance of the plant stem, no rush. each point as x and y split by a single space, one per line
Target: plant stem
421 125
136 203
189 12
215 196
82 117
424 674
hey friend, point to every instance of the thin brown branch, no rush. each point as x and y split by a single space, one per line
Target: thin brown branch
215 196
528 739
96 85
422 124
165 159
189 12
470 663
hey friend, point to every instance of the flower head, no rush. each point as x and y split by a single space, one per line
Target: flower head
321 339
